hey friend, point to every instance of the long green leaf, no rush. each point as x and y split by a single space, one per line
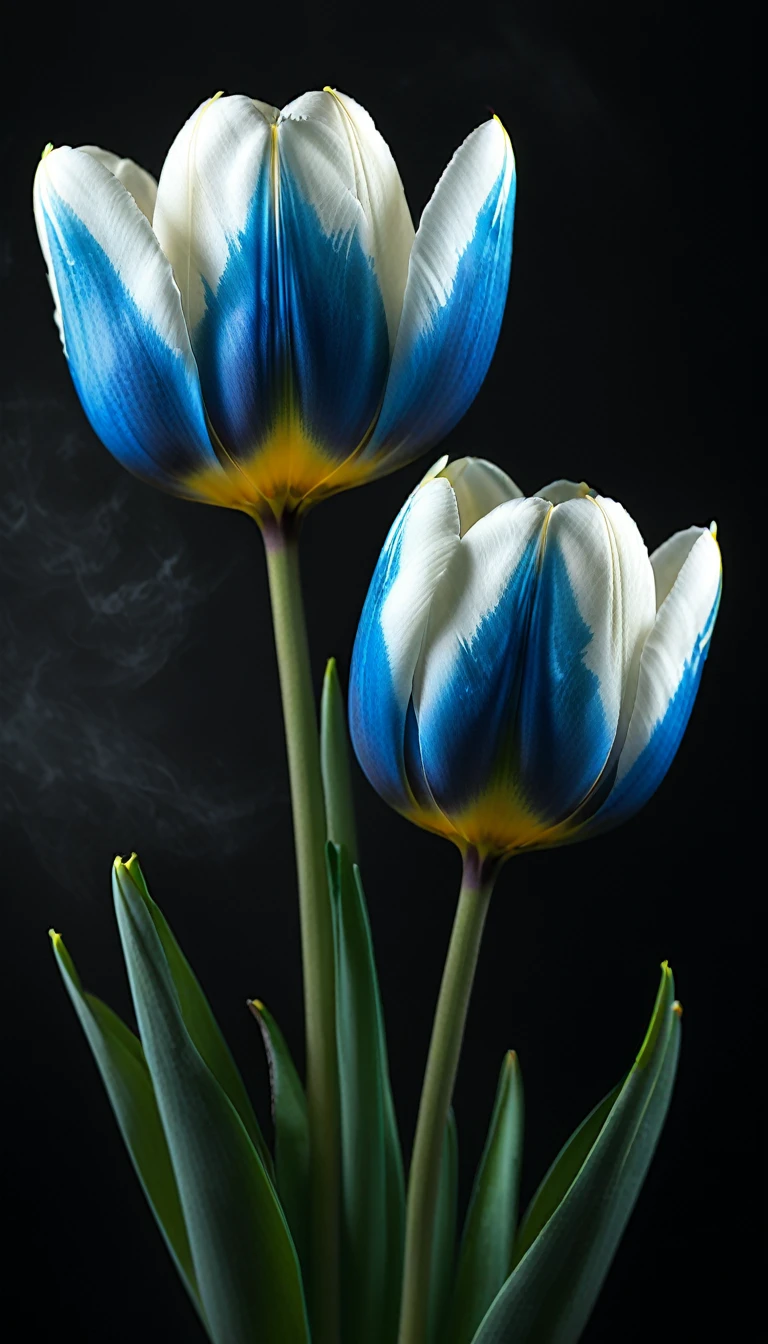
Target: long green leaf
199 1019
289 1114
561 1175
245 1263
489 1230
444 1245
334 759
123 1068
372 1180
551 1292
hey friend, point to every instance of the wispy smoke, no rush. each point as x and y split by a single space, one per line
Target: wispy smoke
76 634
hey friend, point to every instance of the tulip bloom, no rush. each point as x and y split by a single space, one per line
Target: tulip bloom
262 328
523 672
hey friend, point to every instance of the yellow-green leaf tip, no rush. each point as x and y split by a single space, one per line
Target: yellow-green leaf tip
654 1026
54 937
46 151
120 862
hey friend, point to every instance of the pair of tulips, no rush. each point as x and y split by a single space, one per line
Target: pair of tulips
263 328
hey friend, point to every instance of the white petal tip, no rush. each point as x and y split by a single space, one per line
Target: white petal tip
434 471
713 529
48 150
507 140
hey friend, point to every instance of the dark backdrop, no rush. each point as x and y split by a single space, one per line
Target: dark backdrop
140 698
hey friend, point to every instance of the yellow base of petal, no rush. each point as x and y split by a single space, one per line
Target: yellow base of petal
498 823
289 472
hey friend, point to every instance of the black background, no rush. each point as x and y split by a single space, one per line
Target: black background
140 699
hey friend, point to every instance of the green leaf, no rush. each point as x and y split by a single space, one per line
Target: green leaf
334 760
489 1230
289 1113
123 1068
561 1175
373 1200
444 1245
550 1294
199 1019
245 1263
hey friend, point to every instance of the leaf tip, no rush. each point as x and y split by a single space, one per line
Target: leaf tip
677 1008
119 861
666 989
54 937
331 685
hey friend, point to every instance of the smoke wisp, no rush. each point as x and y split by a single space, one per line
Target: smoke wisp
89 616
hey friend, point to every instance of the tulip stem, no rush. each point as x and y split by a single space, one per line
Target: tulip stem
439 1079
316 930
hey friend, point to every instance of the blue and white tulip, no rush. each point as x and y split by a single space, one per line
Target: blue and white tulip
523 671
263 327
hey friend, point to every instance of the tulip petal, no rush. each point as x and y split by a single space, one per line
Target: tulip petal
123 328
420 544
479 486
454 299
668 560
216 223
289 235
594 604
205 193
562 490
339 338
134 178
634 600
467 681
379 189
670 671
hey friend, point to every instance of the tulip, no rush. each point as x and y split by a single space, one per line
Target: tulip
262 328
522 676
523 672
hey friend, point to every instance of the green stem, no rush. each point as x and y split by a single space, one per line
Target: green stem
316 930
439 1078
